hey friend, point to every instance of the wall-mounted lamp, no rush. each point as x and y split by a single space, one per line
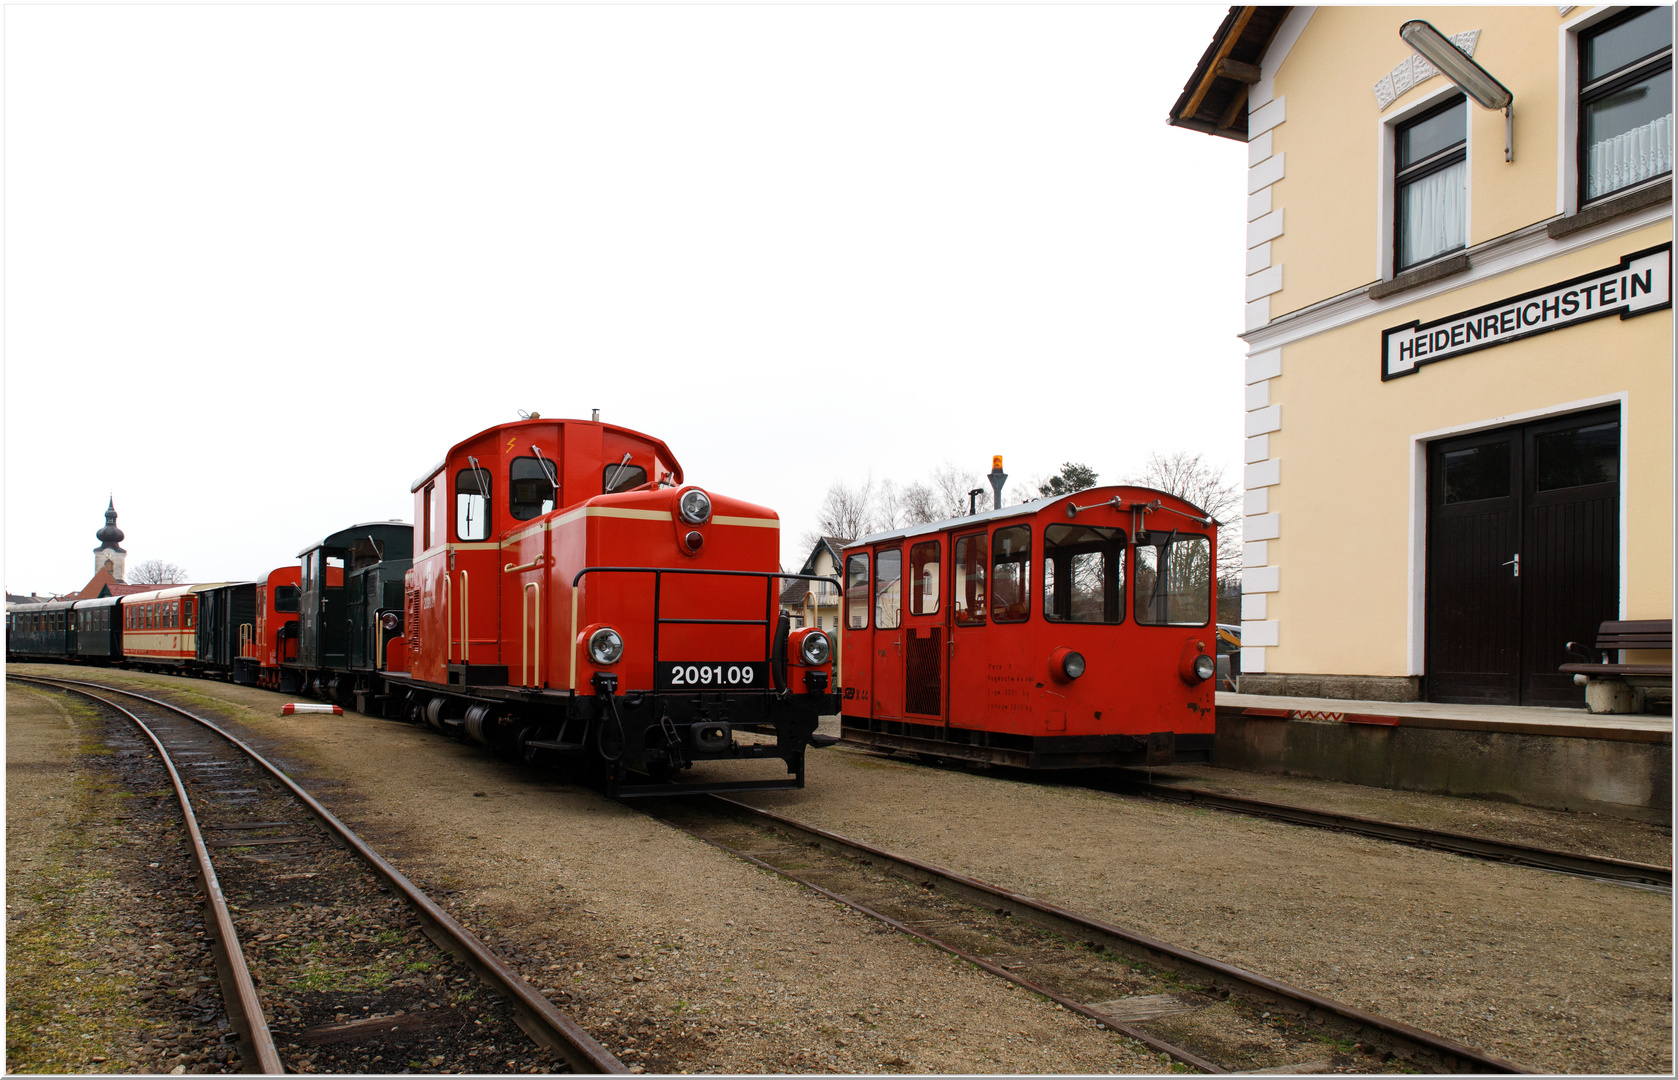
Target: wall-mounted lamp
1474 80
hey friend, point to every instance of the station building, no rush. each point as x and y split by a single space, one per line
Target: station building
1460 354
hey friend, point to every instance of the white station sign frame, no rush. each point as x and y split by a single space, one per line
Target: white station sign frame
1641 283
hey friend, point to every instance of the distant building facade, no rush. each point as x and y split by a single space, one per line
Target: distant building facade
109 557
1459 382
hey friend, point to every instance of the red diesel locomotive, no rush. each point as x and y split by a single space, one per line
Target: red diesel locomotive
571 596
1070 633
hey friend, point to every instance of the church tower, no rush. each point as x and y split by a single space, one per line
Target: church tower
109 554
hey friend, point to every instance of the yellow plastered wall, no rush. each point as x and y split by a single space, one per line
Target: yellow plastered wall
1346 452
1332 137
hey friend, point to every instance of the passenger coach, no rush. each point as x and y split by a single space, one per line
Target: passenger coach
1063 634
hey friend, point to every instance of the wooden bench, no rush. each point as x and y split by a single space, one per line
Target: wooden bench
1612 687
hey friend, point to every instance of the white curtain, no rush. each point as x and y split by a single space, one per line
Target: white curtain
1632 157
1434 214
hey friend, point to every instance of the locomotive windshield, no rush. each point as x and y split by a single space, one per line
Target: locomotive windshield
1174 580
471 503
1083 574
622 477
530 491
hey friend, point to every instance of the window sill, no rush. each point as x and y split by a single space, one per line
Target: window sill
1653 195
1421 275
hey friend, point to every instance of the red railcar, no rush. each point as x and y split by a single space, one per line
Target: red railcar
570 595
1069 633
273 643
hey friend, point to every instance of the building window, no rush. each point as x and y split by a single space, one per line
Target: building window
1625 101
1431 184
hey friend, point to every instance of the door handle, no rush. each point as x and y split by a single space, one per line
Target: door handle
1515 562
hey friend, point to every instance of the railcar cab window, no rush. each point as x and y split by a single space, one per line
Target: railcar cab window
972 559
1173 579
1625 101
1011 574
1083 574
1431 186
471 504
923 578
530 489
888 590
288 598
856 592
622 477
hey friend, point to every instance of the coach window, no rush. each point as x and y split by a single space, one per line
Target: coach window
186 612
471 504
971 562
923 578
856 592
1625 101
622 477
530 488
1083 574
1174 580
888 590
1011 578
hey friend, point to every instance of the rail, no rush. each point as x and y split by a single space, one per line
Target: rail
544 1023
1448 1053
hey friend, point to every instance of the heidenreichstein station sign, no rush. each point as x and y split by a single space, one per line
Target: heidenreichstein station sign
1641 283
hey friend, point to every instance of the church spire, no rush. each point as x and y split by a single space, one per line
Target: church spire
109 555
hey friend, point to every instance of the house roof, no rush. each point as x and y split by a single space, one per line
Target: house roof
795 593
834 545
1214 100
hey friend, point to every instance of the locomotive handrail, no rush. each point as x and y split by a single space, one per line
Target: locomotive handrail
658 573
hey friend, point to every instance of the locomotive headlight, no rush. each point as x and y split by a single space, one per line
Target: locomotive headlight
1204 666
816 648
605 646
1072 664
696 507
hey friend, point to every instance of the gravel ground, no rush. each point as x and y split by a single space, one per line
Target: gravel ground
106 965
677 956
1590 834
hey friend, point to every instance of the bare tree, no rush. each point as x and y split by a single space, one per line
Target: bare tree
920 505
156 572
950 488
1191 479
847 512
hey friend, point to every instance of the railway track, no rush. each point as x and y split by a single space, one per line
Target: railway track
1204 1013
296 903
1618 871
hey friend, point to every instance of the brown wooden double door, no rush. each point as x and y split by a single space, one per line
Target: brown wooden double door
1523 542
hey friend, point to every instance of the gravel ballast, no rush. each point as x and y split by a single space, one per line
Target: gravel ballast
679 957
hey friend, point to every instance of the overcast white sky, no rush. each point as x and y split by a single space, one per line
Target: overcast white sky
263 265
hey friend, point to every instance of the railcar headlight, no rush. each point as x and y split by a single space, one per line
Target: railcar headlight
1073 664
816 648
696 507
1204 666
605 646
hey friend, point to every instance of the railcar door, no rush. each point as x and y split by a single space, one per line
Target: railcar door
887 652
968 659
925 632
